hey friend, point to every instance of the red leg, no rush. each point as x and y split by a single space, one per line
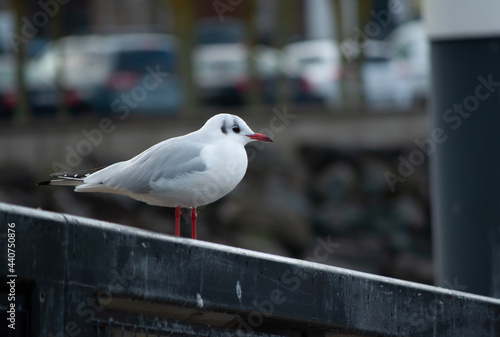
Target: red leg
193 222
178 221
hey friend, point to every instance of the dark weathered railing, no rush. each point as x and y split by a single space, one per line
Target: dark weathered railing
79 277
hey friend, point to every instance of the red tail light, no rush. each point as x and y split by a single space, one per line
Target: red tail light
72 98
243 84
10 99
304 85
123 81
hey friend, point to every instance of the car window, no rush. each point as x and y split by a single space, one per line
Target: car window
84 67
139 60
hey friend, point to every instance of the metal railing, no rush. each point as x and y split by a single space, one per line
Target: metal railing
79 277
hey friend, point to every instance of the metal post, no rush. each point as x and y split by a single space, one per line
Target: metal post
287 14
184 13
253 97
465 56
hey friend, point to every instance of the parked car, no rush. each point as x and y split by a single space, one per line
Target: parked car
396 71
314 68
118 73
222 76
411 57
379 78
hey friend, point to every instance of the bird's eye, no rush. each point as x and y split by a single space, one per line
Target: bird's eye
236 129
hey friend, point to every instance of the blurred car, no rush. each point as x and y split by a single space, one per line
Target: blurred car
222 76
314 68
119 73
395 72
379 78
411 58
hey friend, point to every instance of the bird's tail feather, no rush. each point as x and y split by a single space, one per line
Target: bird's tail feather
69 178
62 182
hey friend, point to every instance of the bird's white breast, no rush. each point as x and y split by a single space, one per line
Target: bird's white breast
226 163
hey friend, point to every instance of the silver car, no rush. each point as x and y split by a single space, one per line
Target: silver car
123 73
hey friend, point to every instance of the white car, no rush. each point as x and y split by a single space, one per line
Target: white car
222 76
396 71
411 57
318 64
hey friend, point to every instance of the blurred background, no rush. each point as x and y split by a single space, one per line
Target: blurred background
341 85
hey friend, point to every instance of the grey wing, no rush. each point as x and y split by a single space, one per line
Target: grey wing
165 160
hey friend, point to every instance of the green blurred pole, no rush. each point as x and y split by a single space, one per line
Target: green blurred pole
338 36
337 17
184 28
287 15
153 7
364 8
22 110
252 95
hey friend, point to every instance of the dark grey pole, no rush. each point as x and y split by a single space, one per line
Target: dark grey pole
465 57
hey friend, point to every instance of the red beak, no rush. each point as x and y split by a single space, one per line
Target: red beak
260 136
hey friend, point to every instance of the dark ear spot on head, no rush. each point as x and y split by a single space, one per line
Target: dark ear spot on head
223 128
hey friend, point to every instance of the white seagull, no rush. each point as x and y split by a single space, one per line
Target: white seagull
187 171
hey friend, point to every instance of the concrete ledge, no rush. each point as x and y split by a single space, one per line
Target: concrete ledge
81 277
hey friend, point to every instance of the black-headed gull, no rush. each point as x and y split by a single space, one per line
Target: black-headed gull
187 171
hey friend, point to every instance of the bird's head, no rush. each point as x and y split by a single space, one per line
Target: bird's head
227 125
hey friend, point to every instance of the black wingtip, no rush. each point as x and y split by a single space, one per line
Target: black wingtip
42 183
